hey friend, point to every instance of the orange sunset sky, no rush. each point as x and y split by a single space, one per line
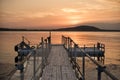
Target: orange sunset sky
44 14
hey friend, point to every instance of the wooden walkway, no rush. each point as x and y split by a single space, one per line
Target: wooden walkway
28 71
59 67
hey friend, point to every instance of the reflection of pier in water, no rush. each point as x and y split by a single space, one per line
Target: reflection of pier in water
47 61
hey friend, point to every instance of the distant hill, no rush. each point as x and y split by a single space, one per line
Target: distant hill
80 28
9 29
77 28
105 25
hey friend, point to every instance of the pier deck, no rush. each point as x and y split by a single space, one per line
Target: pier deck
28 70
57 62
59 67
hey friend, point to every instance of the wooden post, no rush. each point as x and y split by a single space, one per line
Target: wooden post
63 42
62 39
75 46
50 37
99 73
22 74
94 51
67 44
46 51
48 45
83 66
71 48
34 65
84 47
98 47
42 52
23 38
100 70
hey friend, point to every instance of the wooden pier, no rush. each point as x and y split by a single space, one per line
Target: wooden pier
58 66
56 62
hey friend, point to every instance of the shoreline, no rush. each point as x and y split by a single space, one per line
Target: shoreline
64 30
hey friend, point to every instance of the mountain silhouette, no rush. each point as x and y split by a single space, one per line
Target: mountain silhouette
76 28
80 28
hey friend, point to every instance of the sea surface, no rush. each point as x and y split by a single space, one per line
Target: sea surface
8 39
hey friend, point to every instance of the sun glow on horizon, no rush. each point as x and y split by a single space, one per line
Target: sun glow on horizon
44 14
74 22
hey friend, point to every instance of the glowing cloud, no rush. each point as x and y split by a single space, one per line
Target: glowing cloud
69 10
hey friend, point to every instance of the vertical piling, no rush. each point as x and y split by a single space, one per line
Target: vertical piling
42 46
50 37
99 73
34 65
23 38
75 55
94 51
22 74
83 66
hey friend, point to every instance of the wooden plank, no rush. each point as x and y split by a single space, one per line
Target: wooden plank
59 67
28 70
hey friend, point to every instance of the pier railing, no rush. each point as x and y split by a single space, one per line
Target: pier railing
71 46
99 45
44 47
98 51
35 55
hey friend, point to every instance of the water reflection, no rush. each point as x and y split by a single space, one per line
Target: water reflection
110 39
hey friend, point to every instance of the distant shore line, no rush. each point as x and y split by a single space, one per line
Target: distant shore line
68 30
83 28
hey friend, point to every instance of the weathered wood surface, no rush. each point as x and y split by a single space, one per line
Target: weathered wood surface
28 69
58 67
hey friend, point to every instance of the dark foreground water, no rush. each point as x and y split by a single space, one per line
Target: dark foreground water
9 39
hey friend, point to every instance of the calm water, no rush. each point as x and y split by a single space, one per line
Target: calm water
111 40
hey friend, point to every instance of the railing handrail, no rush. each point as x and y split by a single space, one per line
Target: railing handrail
94 61
30 51
24 38
25 59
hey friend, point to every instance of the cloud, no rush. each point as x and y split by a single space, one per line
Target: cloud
8 16
40 14
70 10
45 13
99 4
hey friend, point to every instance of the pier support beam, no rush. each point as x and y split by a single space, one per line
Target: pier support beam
34 65
100 70
22 74
83 66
